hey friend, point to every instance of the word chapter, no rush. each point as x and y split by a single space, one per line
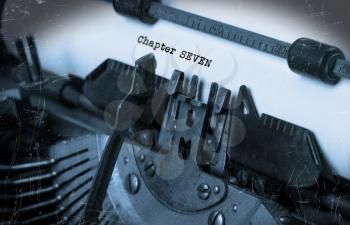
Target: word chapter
186 55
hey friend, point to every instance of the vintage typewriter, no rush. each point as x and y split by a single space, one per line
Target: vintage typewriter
126 146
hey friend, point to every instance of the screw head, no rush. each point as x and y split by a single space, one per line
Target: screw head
216 218
132 184
145 138
235 208
284 219
204 191
217 189
150 168
126 160
142 158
